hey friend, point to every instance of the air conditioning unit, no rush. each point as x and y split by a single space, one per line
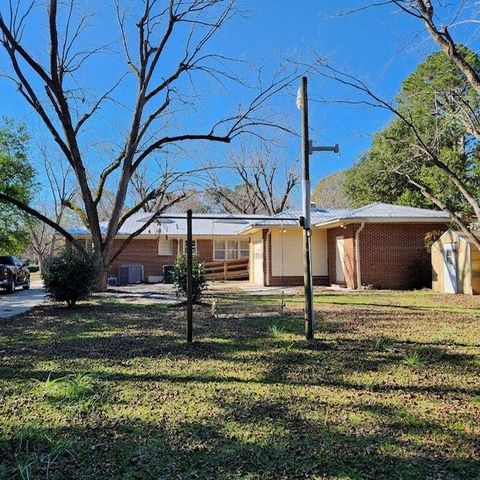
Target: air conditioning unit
155 279
128 274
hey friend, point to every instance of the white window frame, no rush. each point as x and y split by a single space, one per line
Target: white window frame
161 253
238 250
215 250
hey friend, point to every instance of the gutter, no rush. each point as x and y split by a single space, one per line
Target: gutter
357 255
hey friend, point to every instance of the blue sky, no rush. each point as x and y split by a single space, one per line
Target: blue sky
378 45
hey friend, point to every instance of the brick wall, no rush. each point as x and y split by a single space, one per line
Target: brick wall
278 281
391 255
205 250
145 252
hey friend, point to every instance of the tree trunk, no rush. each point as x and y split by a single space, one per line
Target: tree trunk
101 285
41 263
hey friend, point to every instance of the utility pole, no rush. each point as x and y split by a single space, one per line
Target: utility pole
305 221
189 277
307 231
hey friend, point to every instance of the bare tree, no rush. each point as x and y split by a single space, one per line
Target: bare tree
61 192
425 11
173 187
152 32
264 183
467 112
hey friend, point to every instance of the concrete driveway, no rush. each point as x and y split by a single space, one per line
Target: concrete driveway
22 300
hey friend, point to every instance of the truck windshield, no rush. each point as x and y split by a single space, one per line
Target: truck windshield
6 261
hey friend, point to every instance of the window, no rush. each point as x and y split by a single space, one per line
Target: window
230 250
244 249
219 250
194 247
165 247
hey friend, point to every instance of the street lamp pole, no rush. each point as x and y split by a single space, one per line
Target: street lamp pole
307 150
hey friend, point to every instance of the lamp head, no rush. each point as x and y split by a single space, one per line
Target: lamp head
299 99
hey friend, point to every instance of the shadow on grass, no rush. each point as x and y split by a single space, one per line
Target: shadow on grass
248 438
239 432
112 333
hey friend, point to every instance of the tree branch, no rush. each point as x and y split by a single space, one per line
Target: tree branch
34 213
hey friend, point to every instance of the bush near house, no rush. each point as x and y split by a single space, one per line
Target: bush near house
70 276
179 276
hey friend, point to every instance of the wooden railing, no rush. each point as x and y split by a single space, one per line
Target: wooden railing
227 270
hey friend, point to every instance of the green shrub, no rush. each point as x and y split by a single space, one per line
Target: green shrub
179 276
33 268
70 276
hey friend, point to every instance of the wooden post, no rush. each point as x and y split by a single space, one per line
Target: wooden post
189 277
225 271
307 232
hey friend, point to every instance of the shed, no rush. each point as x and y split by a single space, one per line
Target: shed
455 264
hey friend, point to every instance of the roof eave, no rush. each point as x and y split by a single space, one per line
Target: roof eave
347 221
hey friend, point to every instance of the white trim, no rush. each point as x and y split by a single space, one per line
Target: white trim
450 273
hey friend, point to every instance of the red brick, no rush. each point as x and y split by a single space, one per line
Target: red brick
145 252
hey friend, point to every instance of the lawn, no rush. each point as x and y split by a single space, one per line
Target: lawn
388 390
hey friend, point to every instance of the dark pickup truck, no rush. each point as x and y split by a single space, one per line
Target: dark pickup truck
13 273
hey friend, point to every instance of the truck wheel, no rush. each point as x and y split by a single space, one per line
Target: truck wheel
11 286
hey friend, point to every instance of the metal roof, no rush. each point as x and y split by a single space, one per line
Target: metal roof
386 210
373 212
318 215
203 225
231 225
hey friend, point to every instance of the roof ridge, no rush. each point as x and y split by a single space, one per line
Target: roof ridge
395 205
369 205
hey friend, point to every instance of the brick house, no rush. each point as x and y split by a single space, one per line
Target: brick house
380 245
216 239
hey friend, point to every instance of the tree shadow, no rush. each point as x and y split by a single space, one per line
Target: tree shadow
251 437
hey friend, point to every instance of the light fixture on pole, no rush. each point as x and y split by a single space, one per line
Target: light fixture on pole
305 221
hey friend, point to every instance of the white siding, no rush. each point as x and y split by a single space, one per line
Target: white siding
287 249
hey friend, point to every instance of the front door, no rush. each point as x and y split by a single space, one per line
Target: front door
258 262
449 268
340 259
